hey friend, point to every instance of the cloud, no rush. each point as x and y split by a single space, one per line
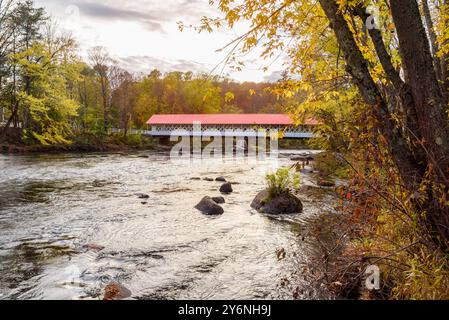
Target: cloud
144 64
274 76
151 21
150 13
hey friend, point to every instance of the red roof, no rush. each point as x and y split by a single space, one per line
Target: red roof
211 119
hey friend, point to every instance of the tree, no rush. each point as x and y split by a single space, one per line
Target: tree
27 21
102 65
46 98
398 80
123 97
22 23
201 96
6 32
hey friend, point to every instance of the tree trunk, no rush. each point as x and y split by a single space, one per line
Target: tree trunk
104 92
424 109
445 64
420 75
430 108
433 38
2 110
357 67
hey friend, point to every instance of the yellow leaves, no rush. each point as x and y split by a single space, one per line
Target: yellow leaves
251 92
232 17
390 27
229 97
442 30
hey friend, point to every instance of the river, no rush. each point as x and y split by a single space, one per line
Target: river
52 206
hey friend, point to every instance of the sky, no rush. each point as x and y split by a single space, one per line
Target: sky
143 35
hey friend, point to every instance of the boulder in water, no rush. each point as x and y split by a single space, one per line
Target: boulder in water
283 204
209 207
226 188
220 179
142 196
115 291
219 200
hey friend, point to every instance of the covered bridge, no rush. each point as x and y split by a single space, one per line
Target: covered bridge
237 125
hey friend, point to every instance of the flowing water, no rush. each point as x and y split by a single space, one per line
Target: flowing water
70 224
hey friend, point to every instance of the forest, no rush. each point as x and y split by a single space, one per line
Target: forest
51 94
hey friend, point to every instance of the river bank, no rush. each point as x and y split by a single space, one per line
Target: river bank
87 143
77 148
98 142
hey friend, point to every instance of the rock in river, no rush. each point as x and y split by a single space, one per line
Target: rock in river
220 179
208 179
226 188
142 196
115 291
219 200
209 207
283 204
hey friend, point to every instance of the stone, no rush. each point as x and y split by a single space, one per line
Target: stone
209 207
219 200
220 179
226 188
142 196
283 204
115 291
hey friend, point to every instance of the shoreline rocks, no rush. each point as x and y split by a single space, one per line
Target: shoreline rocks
283 204
221 179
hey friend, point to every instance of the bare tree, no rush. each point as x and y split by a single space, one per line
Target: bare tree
123 97
101 63
6 33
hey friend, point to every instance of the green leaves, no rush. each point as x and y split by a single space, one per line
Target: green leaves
281 182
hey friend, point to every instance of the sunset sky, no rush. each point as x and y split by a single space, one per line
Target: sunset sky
143 34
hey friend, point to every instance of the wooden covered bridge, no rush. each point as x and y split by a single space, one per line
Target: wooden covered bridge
235 125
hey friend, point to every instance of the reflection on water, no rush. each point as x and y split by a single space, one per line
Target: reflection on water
71 223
